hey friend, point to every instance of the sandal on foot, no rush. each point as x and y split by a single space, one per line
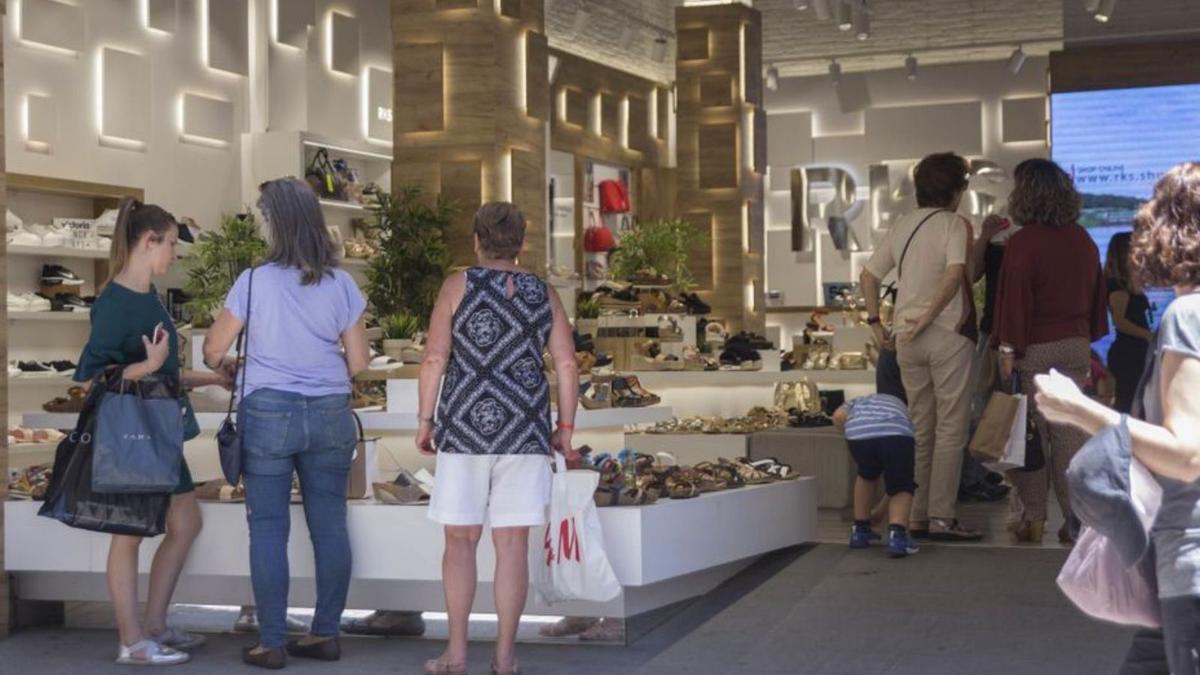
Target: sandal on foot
150 653
440 667
179 640
567 626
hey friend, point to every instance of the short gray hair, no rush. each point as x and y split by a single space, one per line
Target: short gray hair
296 229
500 227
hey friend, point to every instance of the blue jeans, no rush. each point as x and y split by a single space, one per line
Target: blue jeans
315 437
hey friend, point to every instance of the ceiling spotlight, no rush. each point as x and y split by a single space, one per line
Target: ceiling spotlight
582 16
1016 60
1105 11
845 16
772 77
659 51
910 67
835 72
800 5
862 23
821 7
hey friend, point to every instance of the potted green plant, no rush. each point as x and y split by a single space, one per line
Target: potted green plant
587 316
412 257
657 248
398 332
216 260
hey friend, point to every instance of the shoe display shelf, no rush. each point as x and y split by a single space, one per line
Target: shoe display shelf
662 553
25 455
46 335
690 449
727 393
820 452
272 154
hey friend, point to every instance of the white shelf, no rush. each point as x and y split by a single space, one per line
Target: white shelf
392 421
32 381
313 141
49 316
343 206
58 252
684 378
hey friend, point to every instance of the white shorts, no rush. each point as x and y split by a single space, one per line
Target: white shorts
506 490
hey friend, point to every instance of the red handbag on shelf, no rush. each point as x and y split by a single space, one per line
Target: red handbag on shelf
614 198
598 240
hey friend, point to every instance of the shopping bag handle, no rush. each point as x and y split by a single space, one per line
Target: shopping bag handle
560 463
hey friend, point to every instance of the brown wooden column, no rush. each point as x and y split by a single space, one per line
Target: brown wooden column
721 149
4 590
470 109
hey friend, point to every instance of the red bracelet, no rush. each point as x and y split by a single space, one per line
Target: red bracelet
564 425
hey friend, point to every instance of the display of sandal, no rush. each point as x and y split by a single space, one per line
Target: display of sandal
627 392
72 403
220 491
775 469
678 487
30 483
595 395
751 475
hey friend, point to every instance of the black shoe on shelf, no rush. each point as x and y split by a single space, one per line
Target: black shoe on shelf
62 366
57 275
35 367
64 302
695 305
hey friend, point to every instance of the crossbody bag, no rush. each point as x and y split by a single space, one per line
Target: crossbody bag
229 436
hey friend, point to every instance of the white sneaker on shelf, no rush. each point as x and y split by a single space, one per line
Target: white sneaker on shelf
106 223
54 237
22 236
13 370
35 303
12 220
17 303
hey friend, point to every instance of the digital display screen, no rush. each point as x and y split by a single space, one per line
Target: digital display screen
1116 143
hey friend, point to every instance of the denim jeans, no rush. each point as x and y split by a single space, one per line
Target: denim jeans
315 437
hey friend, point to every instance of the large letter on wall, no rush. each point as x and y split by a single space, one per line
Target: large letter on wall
844 203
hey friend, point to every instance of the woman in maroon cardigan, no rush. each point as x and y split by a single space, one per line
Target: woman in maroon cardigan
1050 307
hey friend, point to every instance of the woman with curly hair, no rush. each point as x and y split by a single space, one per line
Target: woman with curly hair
1165 251
1050 307
1131 317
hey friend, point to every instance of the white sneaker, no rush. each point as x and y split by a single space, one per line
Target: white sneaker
150 653
23 237
35 303
17 303
106 223
54 237
12 220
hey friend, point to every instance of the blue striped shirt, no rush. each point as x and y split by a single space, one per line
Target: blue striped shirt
876 416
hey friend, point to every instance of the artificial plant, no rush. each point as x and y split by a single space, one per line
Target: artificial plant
216 260
400 326
412 258
661 246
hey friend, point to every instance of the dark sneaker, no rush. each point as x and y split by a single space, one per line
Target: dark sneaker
35 367
900 546
325 650
860 538
944 529
57 275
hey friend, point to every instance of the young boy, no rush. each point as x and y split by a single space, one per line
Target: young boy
881 439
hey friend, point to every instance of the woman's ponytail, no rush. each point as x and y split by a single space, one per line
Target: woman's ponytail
134 220
118 256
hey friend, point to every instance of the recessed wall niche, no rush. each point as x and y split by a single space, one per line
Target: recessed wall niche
40 123
206 120
292 19
124 89
343 43
227 44
52 24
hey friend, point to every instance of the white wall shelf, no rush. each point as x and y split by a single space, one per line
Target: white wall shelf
58 252
343 206
38 381
652 379
50 316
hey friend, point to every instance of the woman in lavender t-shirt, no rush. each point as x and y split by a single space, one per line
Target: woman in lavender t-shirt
305 340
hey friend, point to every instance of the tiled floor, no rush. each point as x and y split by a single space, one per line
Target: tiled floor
833 525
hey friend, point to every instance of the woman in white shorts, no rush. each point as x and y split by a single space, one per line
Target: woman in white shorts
490 426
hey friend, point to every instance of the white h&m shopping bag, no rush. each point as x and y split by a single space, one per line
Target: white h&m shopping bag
567 559
1014 450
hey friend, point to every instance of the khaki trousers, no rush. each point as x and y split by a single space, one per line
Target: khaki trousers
936 368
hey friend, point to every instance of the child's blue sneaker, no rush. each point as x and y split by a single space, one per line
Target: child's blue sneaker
862 537
899 545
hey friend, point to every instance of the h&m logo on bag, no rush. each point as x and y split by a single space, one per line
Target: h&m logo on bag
568 543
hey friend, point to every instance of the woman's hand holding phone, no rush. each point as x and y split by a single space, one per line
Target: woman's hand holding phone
157 349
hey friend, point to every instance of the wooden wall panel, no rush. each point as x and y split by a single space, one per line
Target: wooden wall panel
717 147
457 4
4 618
402 7
1120 66
753 75
693 44
510 8
760 140
700 262
716 91
577 108
529 194
461 185
420 97
610 116
537 76
664 110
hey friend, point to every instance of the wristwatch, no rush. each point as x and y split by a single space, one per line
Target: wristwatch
1006 350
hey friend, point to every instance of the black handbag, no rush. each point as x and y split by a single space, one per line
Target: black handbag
323 178
229 436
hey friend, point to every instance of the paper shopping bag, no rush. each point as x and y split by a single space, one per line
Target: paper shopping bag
567 559
1013 456
995 427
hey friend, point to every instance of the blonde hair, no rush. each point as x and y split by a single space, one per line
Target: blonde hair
134 220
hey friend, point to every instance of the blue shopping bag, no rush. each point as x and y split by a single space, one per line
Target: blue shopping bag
139 437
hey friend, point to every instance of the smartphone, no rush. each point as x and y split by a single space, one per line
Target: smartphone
160 334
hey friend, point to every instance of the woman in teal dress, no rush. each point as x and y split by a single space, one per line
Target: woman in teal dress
131 327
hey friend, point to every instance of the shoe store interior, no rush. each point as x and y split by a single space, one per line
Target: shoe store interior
777 230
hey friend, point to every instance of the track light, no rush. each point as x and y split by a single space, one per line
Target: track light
835 72
862 23
659 51
772 77
822 10
1105 11
845 16
800 5
910 67
1016 60
1090 6
582 16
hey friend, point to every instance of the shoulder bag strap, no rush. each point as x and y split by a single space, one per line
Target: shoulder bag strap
243 348
900 265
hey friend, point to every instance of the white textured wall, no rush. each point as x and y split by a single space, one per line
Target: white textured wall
188 179
882 116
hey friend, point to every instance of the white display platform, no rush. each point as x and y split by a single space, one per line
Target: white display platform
662 553
397 421
725 393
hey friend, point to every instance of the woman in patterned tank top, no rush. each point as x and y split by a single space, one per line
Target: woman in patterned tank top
490 425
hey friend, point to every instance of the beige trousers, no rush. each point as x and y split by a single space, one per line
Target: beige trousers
1031 489
936 369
